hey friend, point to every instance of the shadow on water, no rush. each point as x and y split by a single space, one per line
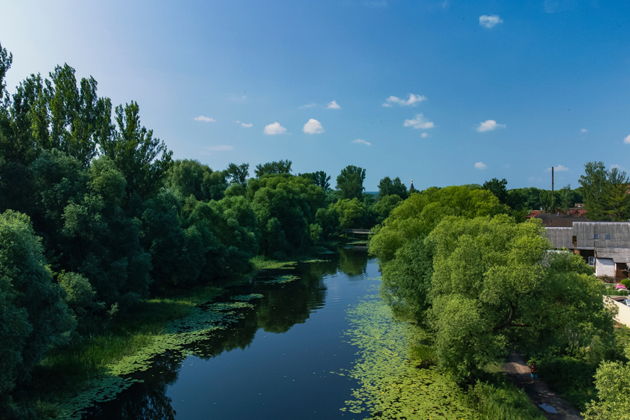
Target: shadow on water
282 307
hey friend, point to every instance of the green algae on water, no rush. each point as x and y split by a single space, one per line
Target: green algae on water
178 335
248 298
280 280
390 385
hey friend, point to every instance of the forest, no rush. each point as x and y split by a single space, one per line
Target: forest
97 218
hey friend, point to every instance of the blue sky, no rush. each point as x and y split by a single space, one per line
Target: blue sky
477 89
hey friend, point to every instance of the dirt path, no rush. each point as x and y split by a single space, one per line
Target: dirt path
549 403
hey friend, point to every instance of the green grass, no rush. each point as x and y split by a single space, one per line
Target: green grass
501 400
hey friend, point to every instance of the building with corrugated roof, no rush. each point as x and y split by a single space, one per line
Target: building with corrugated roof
604 245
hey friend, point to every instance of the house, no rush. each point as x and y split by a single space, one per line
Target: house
604 245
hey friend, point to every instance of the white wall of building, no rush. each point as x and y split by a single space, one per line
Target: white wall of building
623 311
604 267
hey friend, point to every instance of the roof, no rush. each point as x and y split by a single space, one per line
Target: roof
557 220
560 237
606 239
592 235
618 255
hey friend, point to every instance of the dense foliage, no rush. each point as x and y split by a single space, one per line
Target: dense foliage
605 192
483 285
98 217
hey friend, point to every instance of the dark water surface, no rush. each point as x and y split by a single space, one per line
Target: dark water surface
277 363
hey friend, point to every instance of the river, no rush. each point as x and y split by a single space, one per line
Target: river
282 361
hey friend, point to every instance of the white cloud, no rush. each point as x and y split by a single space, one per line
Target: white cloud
627 139
313 126
203 118
419 122
333 105
489 125
560 168
424 135
220 148
361 141
490 21
583 130
309 105
274 128
480 165
616 166
412 100
244 124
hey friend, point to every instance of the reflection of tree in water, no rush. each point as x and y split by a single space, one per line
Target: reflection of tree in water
353 261
291 304
281 308
237 336
145 400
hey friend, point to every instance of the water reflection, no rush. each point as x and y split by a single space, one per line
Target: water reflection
282 307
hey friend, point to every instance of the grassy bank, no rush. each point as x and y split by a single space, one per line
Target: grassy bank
128 335
97 367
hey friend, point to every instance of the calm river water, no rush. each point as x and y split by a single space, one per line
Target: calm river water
277 363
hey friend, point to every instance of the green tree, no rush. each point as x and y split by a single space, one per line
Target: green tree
280 167
498 187
103 241
237 174
612 381
495 287
352 213
319 178
350 182
285 207
605 192
384 206
142 159
80 297
387 186
34 317
190 177
6 58
421 212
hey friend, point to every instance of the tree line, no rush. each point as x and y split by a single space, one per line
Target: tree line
96 215
457 263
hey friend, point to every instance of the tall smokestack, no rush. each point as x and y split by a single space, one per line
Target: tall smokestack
553 195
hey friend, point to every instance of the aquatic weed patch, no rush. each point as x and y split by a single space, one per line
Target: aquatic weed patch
178 335
390 385
261 263
283 279
248 298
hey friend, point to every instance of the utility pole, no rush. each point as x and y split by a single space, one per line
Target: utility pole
553 195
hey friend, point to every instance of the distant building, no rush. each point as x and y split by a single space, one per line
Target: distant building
560 219
604 245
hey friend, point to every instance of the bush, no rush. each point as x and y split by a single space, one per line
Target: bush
571 377
502 402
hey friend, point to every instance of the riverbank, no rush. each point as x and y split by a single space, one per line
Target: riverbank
98 367
397 380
